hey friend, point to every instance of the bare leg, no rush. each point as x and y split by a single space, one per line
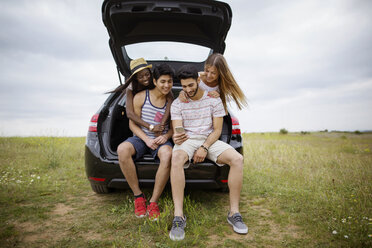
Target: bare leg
162 175
179 158
125 153
235 179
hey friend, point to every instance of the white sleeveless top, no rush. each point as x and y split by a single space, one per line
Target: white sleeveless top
207 88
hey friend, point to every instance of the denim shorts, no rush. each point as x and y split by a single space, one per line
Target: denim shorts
142 149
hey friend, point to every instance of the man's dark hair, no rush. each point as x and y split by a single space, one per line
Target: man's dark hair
162 69
187 71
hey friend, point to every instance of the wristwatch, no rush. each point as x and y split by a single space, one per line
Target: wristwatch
151 127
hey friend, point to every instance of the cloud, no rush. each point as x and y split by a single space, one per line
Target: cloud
65 29
303 65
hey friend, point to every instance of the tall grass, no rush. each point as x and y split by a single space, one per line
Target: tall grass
309 190
321 181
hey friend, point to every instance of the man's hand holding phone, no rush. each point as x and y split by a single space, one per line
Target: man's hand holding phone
179 135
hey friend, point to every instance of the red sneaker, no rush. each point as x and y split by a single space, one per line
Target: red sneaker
140 207
153 211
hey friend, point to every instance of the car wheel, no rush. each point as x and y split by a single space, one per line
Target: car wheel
100 189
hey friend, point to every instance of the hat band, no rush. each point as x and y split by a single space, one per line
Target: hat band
138 67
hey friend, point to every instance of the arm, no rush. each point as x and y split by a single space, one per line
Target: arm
201 153
167 110
130 111
161 139
214 94
183 97
138 102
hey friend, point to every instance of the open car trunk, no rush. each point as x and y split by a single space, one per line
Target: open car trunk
200 22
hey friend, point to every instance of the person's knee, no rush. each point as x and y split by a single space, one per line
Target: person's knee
124 151
237 160
178 159
165 153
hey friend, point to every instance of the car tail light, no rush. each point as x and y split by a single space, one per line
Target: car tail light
235 126
224 181
97 179
93 123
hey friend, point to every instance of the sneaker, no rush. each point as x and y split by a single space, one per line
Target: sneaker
140 207
153 211
177 232
237 223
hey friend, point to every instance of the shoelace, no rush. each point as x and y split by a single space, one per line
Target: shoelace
177 223
238 218
153 207
139 205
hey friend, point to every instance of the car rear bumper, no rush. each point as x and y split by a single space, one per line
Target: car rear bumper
206 175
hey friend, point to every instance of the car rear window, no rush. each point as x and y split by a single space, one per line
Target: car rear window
168 51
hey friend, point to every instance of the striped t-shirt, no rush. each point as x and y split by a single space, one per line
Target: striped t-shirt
152 115
197 116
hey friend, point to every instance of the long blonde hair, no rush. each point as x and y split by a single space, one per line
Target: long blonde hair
229 89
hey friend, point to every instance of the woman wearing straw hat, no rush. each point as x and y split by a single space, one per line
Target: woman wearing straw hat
141 79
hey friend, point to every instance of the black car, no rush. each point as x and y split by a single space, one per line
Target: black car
200 24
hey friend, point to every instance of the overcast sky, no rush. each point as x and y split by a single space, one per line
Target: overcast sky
303 65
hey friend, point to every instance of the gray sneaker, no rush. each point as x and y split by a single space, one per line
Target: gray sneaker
237 223
177 232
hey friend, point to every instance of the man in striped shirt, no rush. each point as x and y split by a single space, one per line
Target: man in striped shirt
202 120
151 106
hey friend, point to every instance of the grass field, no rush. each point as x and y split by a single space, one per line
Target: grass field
311 190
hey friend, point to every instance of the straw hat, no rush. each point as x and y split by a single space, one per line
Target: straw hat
137 65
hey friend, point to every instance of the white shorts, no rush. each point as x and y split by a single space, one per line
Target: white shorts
194 142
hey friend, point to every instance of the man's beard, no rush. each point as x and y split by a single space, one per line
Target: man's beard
196 91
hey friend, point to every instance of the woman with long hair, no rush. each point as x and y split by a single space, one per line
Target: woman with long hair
141 79
218 81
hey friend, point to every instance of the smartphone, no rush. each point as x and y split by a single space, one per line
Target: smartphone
180 129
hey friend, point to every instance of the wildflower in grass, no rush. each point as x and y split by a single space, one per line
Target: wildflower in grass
334 232
369 235
346 237
343 220
38 177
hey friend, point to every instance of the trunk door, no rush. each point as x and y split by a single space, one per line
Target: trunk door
199 22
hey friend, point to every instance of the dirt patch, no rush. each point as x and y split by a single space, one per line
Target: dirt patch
32 232
264 228
274 231
61 209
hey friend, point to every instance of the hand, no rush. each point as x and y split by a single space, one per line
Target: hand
158 128
179 138
199 155
182 96
160 140
151 143
213 94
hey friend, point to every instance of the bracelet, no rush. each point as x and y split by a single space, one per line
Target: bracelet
205 149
